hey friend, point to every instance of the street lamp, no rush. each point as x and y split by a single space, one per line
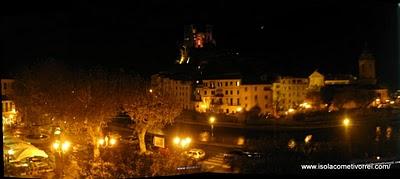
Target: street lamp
182 143
106 142
61 148
346 122
212 121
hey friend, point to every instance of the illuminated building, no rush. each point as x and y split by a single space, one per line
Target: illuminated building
178 87
195 37
229 95
9 113
289 92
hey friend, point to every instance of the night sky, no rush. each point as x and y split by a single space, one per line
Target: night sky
144 35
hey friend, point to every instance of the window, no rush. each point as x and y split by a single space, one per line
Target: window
6 107
205 92
231 92
237 83
5 86
265 97
212 101
278 86
255 97
231 83
255 88
266 106
245 98
238 101
220 100
245 89
226 92
231 101
245 105
293 81
213 92
265 88
227 110
226 83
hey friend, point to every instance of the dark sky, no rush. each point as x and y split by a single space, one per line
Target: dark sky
144 35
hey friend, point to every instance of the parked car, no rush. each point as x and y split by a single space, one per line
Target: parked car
237 154
196 154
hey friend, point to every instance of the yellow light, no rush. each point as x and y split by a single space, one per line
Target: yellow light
188 140
378 100
11 152
391 102
177 140
240 141
212 119
291 143
308 139
65 146
238 109
237 83
346 122
56 145
101 141
387 100
291 110
150 90
57 132
113 141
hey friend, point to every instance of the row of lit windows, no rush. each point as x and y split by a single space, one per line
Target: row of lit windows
294 87
227 92
293 94
255 88
220 84
298 81
7 106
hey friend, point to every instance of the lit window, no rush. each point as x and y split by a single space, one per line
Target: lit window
237 83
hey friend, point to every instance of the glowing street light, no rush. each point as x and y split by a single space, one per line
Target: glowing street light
177 140
113 141
308 139
61 148
346 122
150 90
183 143
212 121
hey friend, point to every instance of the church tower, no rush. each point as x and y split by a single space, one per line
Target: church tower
366 68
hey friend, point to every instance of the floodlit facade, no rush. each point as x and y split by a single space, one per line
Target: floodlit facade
289 92
181 89
230 96
9 112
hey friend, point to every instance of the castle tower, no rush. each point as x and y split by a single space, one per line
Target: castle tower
366 68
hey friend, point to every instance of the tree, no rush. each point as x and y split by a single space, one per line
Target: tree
42 92
150 109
